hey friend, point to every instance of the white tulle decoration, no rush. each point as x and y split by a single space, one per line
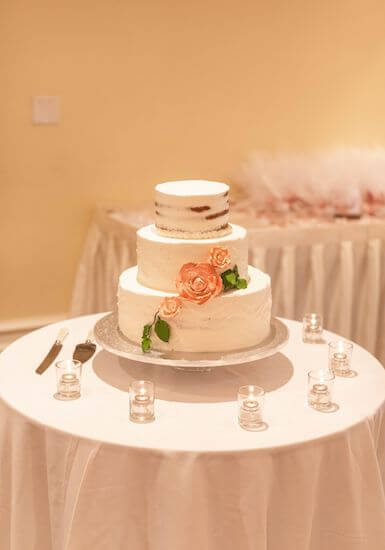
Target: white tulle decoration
345 182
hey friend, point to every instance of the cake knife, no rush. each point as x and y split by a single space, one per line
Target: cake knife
53 352
85 350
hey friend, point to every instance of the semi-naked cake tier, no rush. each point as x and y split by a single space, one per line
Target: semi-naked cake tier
160 257
233 320
192 209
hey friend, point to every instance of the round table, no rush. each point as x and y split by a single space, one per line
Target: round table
79 475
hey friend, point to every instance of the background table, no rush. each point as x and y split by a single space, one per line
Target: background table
79 476
337 269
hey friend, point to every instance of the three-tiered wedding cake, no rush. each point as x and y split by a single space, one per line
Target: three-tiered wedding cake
193 289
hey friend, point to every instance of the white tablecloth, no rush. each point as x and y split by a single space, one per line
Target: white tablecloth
337 269
79 476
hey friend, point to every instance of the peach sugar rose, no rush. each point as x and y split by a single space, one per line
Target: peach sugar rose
198 283
219 257
170 307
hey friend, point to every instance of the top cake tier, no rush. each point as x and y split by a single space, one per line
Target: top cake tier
192 209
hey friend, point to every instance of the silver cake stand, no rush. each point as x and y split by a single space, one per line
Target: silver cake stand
109 337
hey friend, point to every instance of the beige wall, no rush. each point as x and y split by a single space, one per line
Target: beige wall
154 90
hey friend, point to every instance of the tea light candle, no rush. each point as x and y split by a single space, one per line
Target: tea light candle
69 383
320 389
319 395
314 324
340 353
340 361
68 378
250 411
250 405
68 373
142 401
312 327
340 357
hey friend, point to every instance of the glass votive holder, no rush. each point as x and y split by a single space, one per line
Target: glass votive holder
68 376
312 328
340 358
250 408
142 394
320 390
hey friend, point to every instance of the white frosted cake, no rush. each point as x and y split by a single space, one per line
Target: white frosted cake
193 289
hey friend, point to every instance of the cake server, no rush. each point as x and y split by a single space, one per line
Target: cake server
85 350
53 352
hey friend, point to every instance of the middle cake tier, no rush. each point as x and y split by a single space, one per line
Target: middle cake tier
160 258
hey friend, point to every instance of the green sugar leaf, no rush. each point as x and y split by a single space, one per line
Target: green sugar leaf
146 331
231 278
225 273
241 283
146 344
162 329
226 285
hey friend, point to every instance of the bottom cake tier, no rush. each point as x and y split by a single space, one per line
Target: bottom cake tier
233 320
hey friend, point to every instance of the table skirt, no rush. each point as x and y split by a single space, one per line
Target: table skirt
60 492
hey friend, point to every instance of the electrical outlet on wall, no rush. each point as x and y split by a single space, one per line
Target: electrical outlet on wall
45 109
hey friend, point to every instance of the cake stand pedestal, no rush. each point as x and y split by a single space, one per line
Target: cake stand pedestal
109 337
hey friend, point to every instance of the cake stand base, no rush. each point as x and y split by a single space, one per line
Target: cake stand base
109 337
